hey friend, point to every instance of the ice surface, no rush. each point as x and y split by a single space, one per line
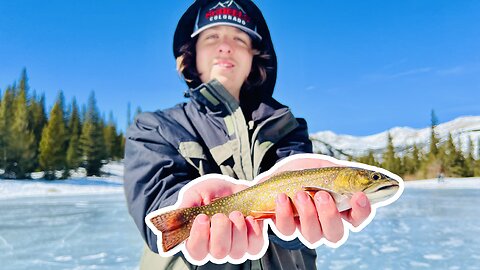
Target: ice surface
424 229
84 224
68 232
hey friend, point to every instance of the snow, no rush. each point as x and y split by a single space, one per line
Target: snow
447 183
110 183
31 188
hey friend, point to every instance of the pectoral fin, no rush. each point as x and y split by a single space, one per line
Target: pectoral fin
260 215
342 201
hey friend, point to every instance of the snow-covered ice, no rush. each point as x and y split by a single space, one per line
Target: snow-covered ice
83 223
446 183
31 188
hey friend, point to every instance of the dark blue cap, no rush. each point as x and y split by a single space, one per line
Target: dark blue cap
225 13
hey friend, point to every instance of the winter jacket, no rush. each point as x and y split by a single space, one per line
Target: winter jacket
210 134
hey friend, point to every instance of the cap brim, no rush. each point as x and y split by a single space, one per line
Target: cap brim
247 30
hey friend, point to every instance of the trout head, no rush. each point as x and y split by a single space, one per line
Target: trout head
376 186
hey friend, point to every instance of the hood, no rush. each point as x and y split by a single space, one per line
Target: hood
186 26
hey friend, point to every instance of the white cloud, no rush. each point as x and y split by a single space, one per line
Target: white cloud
410 72
451 71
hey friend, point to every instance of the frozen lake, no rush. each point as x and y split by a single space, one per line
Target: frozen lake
425 228
75 232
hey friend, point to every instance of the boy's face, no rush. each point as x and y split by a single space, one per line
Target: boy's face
224 53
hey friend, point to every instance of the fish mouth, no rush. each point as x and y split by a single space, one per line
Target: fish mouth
382 192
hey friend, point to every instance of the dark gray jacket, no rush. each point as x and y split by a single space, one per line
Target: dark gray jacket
211 134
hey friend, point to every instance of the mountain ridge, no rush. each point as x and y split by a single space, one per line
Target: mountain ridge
403 138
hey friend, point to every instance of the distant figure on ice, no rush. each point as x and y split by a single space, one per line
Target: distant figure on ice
441 177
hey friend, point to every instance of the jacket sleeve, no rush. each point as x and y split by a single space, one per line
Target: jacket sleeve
296 142
154 172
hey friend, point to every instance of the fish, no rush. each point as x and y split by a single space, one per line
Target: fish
258 200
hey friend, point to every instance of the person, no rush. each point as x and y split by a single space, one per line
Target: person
233 126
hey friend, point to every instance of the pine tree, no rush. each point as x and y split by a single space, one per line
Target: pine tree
129 115
476 170
416 159
111 138
369 159
38 120
470 160
390 161
432 166
74 126
23 146
120 146
83 113
6 117
412 162
92 144
453 159
463 169
52 144
433 136
478 148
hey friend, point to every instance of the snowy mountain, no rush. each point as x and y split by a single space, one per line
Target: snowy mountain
342 146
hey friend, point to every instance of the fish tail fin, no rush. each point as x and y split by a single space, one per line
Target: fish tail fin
175 227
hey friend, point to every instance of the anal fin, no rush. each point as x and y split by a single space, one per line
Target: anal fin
339 198
260 215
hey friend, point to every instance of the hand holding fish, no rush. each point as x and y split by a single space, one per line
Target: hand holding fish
318 215
307 193
235 235
220 236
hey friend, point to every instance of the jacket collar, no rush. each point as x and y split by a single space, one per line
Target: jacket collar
214 96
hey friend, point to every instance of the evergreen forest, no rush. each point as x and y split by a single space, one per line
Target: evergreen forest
71 136
57 142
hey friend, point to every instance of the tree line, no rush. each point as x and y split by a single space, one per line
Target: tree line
67 138
441 159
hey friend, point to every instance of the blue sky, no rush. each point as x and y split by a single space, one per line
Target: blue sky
353 67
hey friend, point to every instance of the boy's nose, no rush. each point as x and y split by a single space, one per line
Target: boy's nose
224 47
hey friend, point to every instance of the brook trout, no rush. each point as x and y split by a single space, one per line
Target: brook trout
258 200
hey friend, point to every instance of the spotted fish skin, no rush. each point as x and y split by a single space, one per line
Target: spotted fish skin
259 200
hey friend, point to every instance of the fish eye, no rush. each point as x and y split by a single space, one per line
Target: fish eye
376 176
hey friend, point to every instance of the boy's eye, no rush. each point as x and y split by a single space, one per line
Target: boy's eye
241 40
212 36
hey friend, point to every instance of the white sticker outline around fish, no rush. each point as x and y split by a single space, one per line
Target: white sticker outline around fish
268 222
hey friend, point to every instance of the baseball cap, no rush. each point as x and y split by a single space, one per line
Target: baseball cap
225 13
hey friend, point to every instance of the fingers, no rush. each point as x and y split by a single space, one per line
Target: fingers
329 217
254 235
284 219
309 222
220 236
239 235
361 209
319 218
197 242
